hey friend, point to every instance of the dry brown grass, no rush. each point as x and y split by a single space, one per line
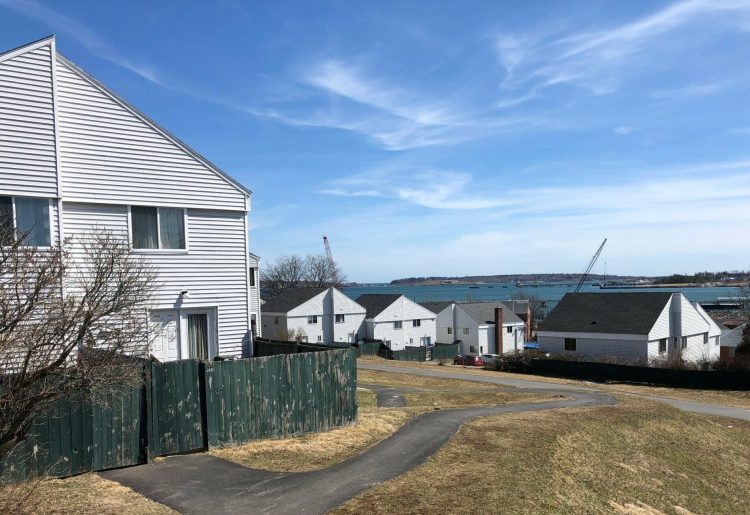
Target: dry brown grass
87 494
320 450
638 457
739 399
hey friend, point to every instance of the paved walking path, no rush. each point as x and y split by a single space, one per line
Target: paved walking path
695 407
201 483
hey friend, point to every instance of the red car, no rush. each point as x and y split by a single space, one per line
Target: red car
468 360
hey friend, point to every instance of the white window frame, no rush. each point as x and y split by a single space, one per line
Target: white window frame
466 331
398 325
705 338
160 250
312 320
666 345
49 214
509 329
336 318
416 322
450 330
683 343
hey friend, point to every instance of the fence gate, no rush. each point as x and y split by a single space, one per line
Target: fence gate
175 415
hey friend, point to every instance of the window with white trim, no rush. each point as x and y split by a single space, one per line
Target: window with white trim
450 330
157 228
662 346
705 338
684 342
339 318
416 322
397 324
312 319
29 217
509 329
466 331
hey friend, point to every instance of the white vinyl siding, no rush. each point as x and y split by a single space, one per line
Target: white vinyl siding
111 155
213 271
27 125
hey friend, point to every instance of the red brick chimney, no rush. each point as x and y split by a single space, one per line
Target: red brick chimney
529 322
498 330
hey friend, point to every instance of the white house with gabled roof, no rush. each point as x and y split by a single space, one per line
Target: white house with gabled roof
473 324
315 315
75 157
398 321
630 326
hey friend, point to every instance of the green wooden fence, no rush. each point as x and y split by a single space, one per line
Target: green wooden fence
445 351
76 436
175 412
186 406
369 348
280 396
410 354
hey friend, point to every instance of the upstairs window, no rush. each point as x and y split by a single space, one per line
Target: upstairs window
570 344
450 330
312 319
29 217
705 338
684 342
416 322
509 329
252 276
466 331
157 228
397 324
339 319
662 346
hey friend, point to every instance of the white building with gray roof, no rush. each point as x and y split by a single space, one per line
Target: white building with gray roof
473 324
630 325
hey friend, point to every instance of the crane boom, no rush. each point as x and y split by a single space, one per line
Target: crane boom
588 268
331 263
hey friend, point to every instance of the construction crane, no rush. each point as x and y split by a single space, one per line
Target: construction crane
331 263
588 268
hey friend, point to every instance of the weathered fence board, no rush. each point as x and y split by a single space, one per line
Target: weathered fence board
410 354
279 396
76 436
369 348
175 411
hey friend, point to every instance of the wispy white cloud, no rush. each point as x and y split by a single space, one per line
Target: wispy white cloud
79 32
595 59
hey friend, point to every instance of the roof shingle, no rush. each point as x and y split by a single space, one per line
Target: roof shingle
290 299
375 303
618 313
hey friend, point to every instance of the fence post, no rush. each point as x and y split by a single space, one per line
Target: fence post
203 402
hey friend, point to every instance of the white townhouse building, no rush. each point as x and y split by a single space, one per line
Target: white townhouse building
473 324
75 157
398 321
631 325
321 315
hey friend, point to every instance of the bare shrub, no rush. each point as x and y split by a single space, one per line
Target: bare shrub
72 320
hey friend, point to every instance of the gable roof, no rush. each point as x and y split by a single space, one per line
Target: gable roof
483 313
290 299
733 337
436 307
28 47
158 128
375 303
618 313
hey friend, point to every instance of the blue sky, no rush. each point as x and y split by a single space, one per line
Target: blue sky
469 138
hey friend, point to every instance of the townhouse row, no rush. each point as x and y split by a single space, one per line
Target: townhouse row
326 315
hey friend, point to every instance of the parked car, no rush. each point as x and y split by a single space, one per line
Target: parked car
488 360
468 360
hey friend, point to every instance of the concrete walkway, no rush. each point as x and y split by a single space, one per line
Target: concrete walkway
201 483
692 406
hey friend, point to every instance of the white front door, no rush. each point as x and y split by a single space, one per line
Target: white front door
165 335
